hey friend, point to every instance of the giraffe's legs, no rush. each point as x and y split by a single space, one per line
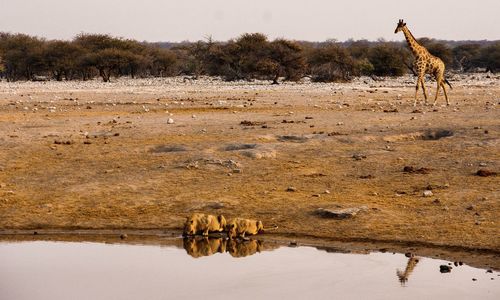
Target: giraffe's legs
416 93
416 90
423 88
439 83
445 94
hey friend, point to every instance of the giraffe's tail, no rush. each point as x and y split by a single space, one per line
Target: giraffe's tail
447 82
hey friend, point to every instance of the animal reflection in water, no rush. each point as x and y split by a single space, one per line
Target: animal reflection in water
403 276
198 247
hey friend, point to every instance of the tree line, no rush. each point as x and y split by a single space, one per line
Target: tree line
249 56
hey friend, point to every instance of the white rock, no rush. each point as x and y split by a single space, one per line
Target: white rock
427 193
170 121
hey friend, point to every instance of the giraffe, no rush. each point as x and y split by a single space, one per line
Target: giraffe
425 63
410 265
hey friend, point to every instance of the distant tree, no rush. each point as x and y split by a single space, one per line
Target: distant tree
23 56
2 66
286 59
252 48
61 58
331 63
489 58
466 56
359 49
110 61
164 62
85 66
387 60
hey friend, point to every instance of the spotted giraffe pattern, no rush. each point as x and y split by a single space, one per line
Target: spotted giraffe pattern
425 63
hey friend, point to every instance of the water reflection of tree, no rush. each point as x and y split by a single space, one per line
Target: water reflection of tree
204 246
410 265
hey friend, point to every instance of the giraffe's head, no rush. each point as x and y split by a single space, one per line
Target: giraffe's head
400 26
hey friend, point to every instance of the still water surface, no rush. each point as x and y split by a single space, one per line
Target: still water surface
220 270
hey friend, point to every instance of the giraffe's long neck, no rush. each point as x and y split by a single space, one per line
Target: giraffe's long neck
415 47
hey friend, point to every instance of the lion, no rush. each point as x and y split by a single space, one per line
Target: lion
203 223
238 227
243 248
198 247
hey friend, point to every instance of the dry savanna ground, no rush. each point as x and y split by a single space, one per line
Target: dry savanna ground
89 155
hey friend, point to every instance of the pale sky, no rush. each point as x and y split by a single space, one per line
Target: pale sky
312 20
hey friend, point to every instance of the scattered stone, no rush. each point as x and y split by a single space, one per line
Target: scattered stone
215 205
436 201
327 191
445 269
474 279
358 156
408 254
342 213
252 123
35 232
485 173
261 152
470 207
489 271
292 138
237 171
427 193
369 176
413 170
393 110
291 189
123 236
316 195
63 142
235 147
293 244
170 121
334 133
87 142
437 134
168 148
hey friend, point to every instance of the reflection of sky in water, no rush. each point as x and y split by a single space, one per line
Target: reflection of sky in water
57 270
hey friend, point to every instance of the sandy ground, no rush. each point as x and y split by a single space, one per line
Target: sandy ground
90 155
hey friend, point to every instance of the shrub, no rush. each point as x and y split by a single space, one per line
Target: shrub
22 56
387 60
331 63
465 56
489 58
61 58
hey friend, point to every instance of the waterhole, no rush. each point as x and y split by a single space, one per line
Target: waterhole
222 269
